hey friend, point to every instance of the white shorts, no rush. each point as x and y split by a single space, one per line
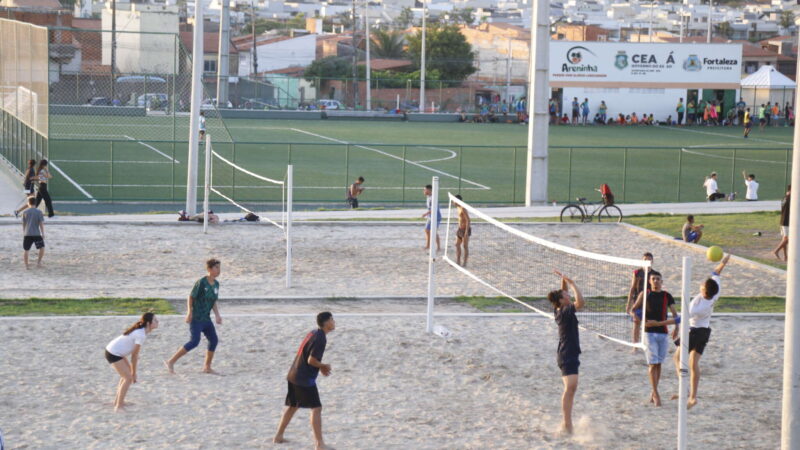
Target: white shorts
785 231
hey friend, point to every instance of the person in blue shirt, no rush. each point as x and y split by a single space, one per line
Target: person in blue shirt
302 379
585 110
569 346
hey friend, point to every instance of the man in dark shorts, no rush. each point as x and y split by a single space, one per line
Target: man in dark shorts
353 191
576 110
302 380
658 302
700 309
463 233
33 229
569 346
637 286
748 123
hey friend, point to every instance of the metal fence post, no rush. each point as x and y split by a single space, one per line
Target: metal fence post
460 166
680 172
624 171
569 175
786 170
172 173
233 178
347 165
514 178
733 170
403 184
112 171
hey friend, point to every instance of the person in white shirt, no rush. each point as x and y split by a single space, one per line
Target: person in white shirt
700 309
752 187
712 191
129 344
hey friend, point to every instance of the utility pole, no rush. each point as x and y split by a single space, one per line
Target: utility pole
369 66
253 33
508 73
650 26
114 49
680 39
355 56
710 9
223 58
422 63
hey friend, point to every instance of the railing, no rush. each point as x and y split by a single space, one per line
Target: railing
148 170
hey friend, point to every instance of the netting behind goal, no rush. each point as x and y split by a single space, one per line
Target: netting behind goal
519 266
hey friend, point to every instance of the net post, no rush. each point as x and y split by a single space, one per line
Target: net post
643 319
207 186
683 381
289 189
432 252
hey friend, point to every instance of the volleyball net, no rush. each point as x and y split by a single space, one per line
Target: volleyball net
519 266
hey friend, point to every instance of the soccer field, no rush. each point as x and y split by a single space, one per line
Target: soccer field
143 159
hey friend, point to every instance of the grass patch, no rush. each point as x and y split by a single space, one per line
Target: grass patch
100 306
735 233
725 304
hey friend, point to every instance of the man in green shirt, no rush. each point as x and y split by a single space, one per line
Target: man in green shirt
762 119
680 110
199 305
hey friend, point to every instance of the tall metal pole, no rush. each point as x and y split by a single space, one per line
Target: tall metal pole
683 381
369 66
253 33
289 186
223 55
650 26
710 9
680 14
194 120
790 425
114 48
355 56
538 94
422 60
434 218
508 73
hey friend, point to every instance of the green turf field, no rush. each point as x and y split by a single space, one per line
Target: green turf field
485 162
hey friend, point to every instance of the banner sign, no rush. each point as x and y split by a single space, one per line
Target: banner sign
626 62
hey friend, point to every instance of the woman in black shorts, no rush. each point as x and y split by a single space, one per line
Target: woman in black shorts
129 343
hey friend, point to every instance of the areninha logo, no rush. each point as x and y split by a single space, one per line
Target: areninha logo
575 57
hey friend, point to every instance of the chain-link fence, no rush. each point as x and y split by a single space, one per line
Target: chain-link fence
123 84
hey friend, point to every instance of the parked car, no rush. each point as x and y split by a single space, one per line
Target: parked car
329 104
211 103
153 101
99 101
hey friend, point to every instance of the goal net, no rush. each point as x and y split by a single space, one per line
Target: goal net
230 184
519 266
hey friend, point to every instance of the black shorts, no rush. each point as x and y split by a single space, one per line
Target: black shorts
302 396
748 124
568 366
460 232
698 338
353 202
27 241
112 358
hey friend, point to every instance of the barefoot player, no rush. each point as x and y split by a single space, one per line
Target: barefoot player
302 380
201 302
658 301
463 233
700 310
637 286
569 347
129 344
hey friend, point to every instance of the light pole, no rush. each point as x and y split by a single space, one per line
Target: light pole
422 62
369 67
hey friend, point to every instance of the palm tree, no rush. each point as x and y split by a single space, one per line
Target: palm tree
387 44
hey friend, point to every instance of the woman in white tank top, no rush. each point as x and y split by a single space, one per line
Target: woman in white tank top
129 344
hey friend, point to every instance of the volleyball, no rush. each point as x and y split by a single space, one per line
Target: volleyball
714 253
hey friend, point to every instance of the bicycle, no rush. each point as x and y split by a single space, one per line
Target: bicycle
579 212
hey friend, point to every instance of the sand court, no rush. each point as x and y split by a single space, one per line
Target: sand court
493 384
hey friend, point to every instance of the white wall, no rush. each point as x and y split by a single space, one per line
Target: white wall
660 102
300 51
138 52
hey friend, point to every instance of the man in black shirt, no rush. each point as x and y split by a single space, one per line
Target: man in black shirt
658 301
569 347
784 225
302 379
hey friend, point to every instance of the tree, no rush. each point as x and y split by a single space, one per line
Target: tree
329 67
725 29
464 16
345 19
787 19
387 44
447 51
405 19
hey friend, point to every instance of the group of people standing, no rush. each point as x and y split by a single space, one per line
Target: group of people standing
123 353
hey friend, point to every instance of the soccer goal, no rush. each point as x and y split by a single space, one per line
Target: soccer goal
251 193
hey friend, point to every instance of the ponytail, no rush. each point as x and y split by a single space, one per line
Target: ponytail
146 319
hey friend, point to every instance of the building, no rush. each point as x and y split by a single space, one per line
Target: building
275 52
145 38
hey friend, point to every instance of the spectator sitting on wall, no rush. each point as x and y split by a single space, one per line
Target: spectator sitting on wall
564 120
621 120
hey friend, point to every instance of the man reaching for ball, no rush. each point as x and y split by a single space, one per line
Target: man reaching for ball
700 310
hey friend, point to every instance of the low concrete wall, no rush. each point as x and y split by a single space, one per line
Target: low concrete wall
269 114
85 110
